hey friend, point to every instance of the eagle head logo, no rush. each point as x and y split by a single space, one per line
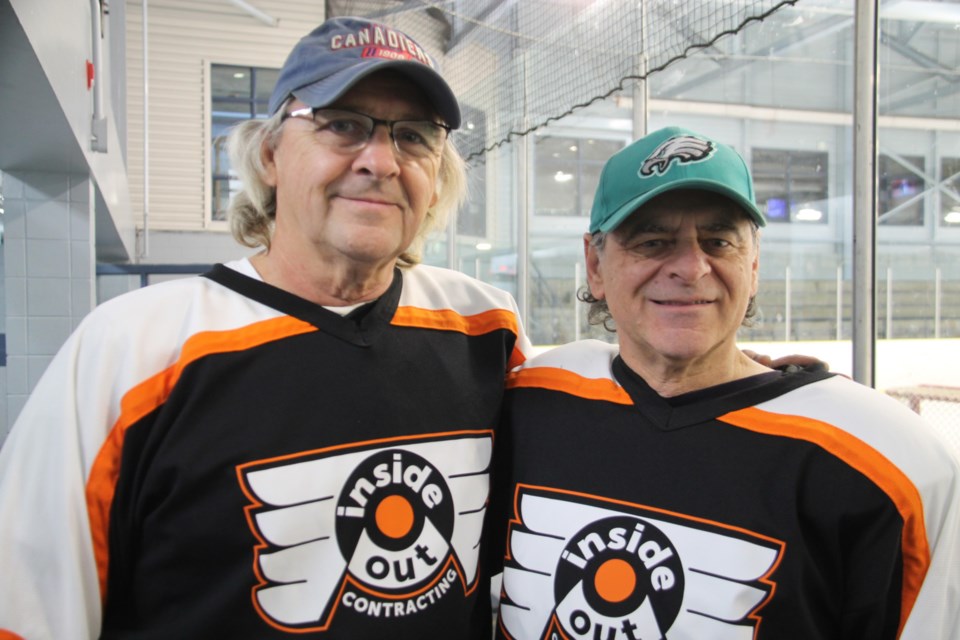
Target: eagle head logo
681 149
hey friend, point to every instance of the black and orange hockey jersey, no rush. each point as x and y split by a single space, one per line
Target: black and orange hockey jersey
783 506
222 459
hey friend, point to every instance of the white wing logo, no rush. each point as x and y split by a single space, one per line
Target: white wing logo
680 149
385 529
585 567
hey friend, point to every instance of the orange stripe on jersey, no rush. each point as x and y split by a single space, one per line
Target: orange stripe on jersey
517 358
566 381
140 400
871 463
449 320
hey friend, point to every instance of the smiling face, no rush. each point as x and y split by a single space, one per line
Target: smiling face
360 209
677 276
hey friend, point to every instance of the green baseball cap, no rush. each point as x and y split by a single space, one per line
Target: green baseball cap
668 159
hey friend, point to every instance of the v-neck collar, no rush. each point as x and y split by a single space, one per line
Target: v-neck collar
360 327
707 404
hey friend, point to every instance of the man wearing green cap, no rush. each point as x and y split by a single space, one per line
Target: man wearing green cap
670 487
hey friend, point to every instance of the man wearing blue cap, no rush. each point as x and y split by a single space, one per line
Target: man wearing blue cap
296 444
670 487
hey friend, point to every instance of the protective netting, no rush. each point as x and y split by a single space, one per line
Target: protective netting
939 405
516 65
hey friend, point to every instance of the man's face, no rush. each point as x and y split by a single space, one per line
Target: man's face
678 276
358 208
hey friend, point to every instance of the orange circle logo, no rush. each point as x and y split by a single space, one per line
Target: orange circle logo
615 580
394 516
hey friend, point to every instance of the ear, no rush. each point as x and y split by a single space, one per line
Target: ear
268 160
594 274
755 268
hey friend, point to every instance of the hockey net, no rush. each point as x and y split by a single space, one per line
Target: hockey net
939 406
517 65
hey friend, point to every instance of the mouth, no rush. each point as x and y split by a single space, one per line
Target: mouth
682 303
371 199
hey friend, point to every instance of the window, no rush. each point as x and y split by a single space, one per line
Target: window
900 188
472 216
236 94
568 172
950 192
791 186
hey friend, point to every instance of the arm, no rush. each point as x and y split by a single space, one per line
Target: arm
49 586
936 613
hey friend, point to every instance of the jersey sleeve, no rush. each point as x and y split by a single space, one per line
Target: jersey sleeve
924 484
936 613
60 462
50 586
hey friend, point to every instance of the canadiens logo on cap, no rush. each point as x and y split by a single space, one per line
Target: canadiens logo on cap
378 41
327 62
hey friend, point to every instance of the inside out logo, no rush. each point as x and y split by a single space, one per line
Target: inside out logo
394 521
619 577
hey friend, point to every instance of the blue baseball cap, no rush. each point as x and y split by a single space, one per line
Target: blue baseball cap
332 58
668 159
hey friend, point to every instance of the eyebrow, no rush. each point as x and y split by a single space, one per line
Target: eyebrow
414 114
712 226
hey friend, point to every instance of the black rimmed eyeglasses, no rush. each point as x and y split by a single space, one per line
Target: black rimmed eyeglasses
349 131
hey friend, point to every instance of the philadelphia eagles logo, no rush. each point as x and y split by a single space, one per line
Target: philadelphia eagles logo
682 149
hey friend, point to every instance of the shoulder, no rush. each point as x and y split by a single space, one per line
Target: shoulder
438 288
859 409
152 324
585 358
583 369
885 426
154 295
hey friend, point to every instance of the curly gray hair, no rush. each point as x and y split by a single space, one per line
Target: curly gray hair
253 209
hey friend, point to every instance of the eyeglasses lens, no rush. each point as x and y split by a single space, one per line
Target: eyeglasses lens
350 131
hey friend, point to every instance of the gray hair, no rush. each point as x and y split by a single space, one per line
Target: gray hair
253 210
599 312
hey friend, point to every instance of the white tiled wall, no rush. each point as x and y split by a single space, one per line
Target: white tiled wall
49 266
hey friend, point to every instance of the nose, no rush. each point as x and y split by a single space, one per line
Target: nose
688 261
379 156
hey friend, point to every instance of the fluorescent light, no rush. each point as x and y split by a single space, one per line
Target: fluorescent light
953 217
560 176
484 246
263 17
809 215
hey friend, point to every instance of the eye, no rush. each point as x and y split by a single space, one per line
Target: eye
346 127
413 135
647 244
717 243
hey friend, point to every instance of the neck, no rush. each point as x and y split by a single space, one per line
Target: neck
331 284
674 377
